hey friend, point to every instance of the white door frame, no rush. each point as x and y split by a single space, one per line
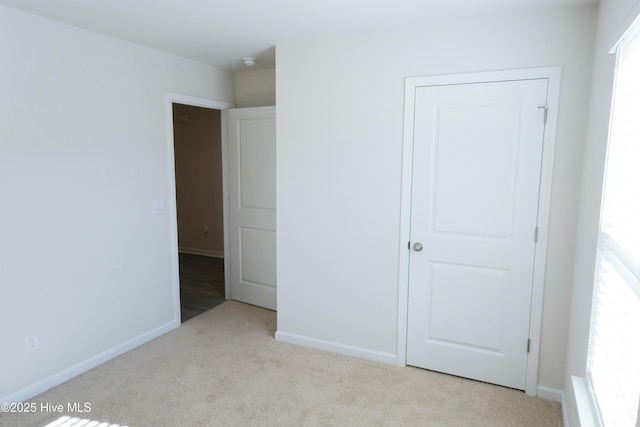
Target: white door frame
411 83
170 99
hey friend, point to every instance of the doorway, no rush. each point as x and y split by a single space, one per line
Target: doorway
476 192
197 134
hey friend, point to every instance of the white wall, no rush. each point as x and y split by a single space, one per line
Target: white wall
83 152
255 88
613 18
340 115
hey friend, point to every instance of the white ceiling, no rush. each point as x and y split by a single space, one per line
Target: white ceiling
222 33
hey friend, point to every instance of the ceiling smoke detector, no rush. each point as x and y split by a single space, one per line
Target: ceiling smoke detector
249 62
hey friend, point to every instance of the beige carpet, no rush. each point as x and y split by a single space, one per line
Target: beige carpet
224 368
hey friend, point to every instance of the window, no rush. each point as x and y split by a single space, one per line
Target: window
614 349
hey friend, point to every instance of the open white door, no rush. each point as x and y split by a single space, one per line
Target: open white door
477 155
251 151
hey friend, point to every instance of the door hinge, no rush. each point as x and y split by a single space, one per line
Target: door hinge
546 111
535 235
528 345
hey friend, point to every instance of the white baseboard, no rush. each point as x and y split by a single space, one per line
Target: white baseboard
84 366
347 350
203 252
564 409
550 393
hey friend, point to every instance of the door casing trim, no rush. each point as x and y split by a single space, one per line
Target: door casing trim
553 74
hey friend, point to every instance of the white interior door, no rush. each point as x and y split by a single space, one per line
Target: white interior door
476 173
252 205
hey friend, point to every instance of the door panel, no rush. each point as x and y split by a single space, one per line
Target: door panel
257 161
258 260
460 177
462 297
476 171
252 202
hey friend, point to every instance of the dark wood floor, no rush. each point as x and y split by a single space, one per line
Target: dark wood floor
201 284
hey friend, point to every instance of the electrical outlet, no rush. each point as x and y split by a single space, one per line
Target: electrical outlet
32 342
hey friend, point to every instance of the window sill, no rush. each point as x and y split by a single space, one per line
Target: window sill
587 414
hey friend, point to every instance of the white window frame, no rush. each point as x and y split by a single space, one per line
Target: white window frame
610 249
